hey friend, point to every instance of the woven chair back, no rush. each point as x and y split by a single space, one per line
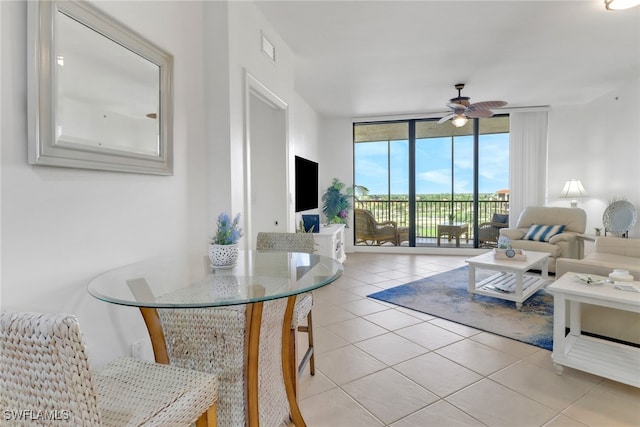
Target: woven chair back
45 369
285 242
213 340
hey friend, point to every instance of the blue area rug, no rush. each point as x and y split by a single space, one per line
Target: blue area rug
445 295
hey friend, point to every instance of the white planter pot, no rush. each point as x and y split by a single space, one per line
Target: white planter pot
223 256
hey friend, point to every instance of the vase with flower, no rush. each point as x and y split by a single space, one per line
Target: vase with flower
223 249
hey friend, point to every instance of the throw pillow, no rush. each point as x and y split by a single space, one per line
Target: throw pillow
542 233
501 218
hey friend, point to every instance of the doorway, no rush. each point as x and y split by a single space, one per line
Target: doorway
267 183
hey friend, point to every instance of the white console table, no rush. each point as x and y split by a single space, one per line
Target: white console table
330 241
601 357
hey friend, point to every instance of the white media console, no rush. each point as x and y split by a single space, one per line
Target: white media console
330 241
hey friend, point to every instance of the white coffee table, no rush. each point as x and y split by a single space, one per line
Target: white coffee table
510 282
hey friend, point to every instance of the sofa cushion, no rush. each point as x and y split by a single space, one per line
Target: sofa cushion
618 246
611 261
542 233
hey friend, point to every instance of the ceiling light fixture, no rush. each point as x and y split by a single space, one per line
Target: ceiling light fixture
620 4
459 120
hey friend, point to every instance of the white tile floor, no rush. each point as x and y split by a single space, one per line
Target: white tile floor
381 365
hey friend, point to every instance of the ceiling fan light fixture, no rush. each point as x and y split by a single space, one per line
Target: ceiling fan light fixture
620 4
459 120
463 109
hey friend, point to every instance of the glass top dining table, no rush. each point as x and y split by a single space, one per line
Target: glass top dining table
190 282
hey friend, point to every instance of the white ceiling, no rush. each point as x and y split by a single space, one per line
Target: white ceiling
370 58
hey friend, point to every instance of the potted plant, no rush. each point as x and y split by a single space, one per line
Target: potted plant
598 230
223 249
336 204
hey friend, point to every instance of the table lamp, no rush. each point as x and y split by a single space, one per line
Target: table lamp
572 190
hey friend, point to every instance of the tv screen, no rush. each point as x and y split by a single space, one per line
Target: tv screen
306 184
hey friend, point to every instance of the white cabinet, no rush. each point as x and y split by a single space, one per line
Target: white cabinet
602 357
330 241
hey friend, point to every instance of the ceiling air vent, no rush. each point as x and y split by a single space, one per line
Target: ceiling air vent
268 48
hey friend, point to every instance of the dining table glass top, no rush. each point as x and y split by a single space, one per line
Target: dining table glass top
191 282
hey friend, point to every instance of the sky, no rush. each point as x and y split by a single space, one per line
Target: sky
433 165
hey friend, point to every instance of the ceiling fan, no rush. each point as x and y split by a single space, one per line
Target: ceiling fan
463 109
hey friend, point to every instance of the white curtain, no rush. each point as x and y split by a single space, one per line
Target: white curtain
527 161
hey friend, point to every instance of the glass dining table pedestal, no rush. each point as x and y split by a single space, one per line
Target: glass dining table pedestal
256 299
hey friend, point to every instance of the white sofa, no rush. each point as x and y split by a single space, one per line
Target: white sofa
609 253
562 245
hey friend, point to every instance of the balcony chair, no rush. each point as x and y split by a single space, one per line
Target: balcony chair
489 232
45 370
371 232
295 242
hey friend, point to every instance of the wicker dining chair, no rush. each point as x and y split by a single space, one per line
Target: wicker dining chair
46 374
214 340
295 242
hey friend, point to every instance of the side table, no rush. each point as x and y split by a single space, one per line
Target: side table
597 356
454 229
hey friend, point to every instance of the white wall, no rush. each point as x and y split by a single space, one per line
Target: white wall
246 24
599 144
304 143
61 227
336 160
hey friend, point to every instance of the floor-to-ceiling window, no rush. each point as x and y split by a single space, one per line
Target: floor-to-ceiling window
424 176
381 170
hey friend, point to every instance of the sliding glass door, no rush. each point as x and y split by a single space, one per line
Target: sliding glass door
435 182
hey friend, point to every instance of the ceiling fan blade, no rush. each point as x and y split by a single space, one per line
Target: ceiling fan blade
445 118
486 105
455 106
478 114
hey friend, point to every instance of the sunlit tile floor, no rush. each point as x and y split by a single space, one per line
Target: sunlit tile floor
381 365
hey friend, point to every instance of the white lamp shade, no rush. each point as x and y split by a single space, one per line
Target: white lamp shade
573 189
620 4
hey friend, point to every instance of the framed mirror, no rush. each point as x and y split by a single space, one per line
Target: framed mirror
100 96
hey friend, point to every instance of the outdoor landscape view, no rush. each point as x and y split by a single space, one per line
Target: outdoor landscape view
444 180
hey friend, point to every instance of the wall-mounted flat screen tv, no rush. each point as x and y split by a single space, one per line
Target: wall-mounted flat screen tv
306 184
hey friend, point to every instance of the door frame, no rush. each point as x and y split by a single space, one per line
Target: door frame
253 87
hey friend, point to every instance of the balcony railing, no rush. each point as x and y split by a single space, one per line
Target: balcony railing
432 212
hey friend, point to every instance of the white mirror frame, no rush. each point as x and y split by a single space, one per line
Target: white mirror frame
44 147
